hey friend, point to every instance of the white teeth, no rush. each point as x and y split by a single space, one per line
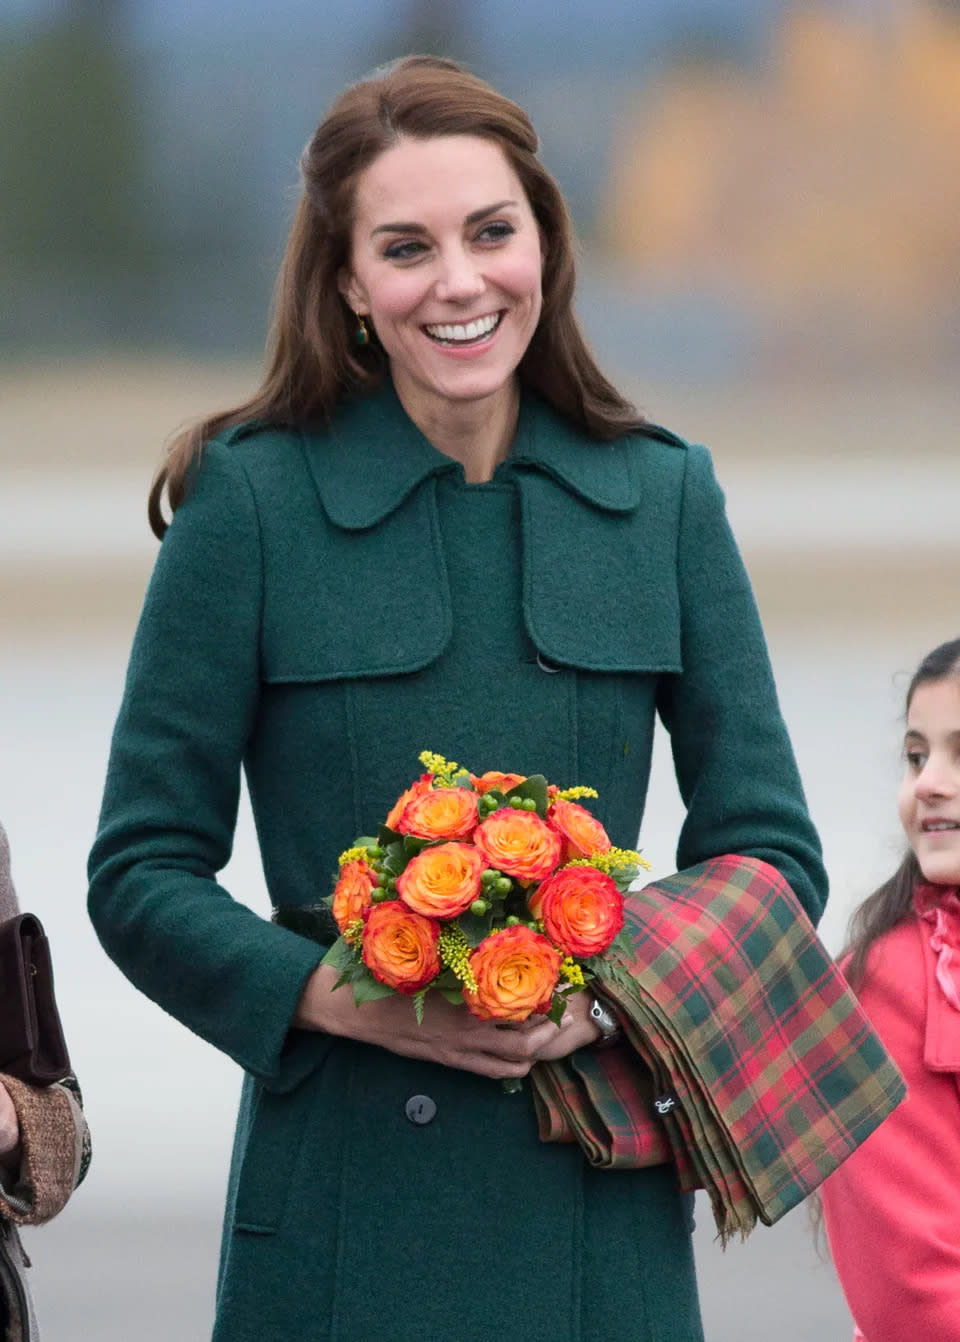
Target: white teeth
472 331
935 826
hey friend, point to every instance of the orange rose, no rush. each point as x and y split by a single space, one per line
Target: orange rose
443 881
516 971
417 789
441 813
518 843
351 894
582 833
493 779
581 910
400 947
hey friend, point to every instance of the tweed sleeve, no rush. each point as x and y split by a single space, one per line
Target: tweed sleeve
55 1147
173 781
733 759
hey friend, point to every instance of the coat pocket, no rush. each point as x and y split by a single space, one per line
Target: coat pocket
270 1133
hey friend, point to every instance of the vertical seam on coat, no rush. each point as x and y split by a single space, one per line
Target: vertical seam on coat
350 724
263 567
342 1217
572 715
576 1276
443 585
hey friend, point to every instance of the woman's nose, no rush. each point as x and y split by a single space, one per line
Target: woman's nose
459 277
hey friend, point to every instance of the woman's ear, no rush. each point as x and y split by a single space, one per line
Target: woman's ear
351 291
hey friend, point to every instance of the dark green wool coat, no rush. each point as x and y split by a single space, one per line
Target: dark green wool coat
324 606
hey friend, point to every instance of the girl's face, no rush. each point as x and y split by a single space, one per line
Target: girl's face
446 261
930 792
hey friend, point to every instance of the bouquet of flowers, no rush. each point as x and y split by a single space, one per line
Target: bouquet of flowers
498 891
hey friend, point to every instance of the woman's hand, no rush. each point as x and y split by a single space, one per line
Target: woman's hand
449 1034
9 1129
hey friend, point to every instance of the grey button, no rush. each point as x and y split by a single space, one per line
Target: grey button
420 1109
546 665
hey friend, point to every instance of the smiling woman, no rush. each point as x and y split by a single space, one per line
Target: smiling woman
434 498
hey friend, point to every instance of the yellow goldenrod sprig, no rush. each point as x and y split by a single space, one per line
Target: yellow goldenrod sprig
351 855
574 793
611 860
443 770
572 972
455 954
353 932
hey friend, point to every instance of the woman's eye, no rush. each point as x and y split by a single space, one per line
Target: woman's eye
915 760
403 251
496 232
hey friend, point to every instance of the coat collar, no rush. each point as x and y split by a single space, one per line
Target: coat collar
373 456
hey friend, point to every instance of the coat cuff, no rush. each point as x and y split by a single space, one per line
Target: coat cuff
52 1131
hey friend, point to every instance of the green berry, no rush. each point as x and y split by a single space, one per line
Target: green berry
383 878
479 907
528 804
516 803
513 921
489 876
374 852
378 895
503 885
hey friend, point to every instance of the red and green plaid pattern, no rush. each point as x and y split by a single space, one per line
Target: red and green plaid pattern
748 1027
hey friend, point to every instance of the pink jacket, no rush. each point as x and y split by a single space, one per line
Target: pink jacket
892 1210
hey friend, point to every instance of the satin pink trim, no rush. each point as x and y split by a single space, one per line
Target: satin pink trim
939 906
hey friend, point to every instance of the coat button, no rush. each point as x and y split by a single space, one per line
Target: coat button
546 665
420 1109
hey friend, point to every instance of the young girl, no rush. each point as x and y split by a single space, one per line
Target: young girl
892 1211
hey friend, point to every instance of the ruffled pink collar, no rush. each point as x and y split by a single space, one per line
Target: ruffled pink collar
939 906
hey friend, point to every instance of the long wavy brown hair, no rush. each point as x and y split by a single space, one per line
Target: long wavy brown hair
312 358
891 903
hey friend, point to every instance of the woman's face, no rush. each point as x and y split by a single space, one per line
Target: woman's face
446 262
930 792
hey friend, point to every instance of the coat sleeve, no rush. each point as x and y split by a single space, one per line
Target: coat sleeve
55 1151
173 782
733 759
892 1210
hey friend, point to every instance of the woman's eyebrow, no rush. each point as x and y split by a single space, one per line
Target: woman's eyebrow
473 217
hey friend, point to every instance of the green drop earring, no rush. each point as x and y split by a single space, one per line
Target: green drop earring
361 335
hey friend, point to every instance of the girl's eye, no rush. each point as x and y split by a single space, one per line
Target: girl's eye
403 251
915 760
498 231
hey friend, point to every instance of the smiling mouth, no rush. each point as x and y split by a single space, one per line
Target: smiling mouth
468 333
939 826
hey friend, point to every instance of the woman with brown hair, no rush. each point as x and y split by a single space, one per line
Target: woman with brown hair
436 524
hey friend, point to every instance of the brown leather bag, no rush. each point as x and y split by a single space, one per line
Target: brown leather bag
32 1046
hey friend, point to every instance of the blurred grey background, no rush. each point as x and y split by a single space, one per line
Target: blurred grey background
767 197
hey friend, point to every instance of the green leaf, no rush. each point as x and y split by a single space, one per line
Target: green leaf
364 841
340 955
446 979
462 779
395 857
387 836
536 787
413 844
418 1001
625 876
369 989
558 1006
474 928
453 995
622 943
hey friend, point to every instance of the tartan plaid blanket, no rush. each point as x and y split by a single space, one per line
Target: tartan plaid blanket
762 1072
